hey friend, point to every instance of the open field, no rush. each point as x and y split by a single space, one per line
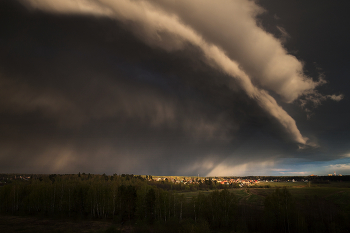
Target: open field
335 192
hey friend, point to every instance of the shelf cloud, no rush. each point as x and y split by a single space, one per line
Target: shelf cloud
137 79
228 36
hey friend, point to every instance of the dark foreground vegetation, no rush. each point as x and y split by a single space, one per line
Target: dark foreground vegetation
128 203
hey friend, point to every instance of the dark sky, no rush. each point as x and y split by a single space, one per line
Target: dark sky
174 87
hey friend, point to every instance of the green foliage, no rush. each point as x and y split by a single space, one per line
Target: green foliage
280 212
218 208
130 199
150 200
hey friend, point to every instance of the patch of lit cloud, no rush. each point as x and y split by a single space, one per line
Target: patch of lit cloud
227 168
288 173
338 166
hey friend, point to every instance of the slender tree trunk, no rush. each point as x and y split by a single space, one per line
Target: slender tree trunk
194 209
69 202
92 209
169 198
174 207
164 211
14 199
54 196
113 212
181 211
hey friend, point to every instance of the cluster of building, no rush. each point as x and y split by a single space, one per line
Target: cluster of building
224 181
334 174
4 178
191 180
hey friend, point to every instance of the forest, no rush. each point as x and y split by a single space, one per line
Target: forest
148 206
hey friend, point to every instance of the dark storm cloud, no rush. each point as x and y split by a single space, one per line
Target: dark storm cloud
85 87
70 83
261 58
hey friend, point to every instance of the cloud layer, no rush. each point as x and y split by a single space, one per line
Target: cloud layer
132 81
227 34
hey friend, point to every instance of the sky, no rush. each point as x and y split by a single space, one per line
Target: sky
176 87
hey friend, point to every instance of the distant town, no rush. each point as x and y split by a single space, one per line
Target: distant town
233 182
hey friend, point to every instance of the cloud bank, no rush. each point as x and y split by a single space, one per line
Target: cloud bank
144 80
227 34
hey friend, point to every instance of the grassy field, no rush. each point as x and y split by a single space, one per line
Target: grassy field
337 192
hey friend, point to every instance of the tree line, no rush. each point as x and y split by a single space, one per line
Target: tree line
129 199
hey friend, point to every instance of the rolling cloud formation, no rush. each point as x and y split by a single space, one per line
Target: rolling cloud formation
228 35
132 81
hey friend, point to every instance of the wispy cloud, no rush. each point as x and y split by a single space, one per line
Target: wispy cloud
290 173
343 167
284 33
